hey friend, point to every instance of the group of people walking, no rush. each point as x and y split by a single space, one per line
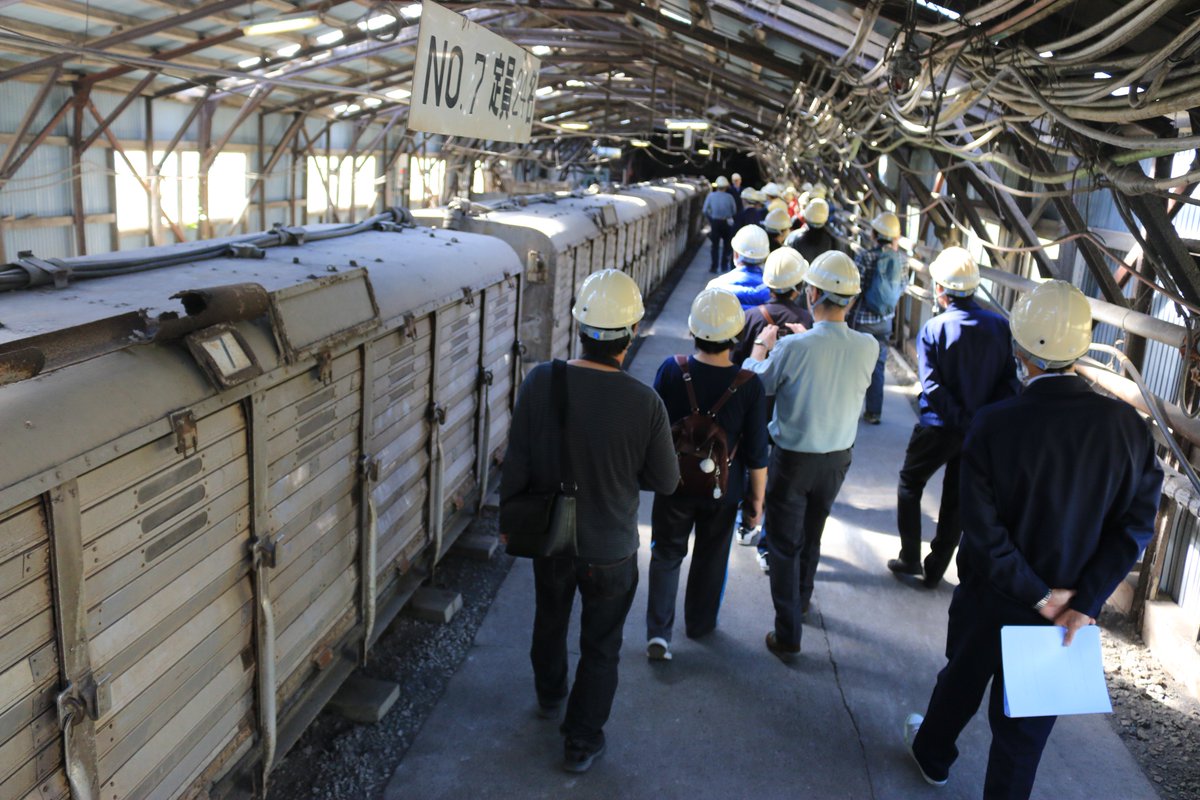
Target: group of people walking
1052 488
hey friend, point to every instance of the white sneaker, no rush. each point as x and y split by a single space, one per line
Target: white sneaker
762 562
658 649
747 536
912 724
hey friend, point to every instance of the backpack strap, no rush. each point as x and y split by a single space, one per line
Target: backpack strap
742 377
682 361
765 315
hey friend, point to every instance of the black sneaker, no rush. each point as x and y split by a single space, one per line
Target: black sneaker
902 567
579 759
549 710
871 419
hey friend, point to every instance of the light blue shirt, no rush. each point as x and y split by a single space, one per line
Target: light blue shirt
720 205
819 379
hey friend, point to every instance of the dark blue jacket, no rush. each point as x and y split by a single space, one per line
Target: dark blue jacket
1060 488
749 215
744 417
965 361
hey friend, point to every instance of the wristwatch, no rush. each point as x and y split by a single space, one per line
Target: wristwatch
1040 604
760 342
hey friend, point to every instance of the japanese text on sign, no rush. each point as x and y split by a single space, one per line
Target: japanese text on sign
469 81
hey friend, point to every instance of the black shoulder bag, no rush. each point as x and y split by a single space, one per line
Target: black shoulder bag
542 524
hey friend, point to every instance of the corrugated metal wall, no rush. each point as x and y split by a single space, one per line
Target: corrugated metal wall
41 189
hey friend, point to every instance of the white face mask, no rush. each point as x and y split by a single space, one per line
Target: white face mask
1022 372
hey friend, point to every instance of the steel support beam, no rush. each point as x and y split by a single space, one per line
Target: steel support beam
26 121
1095 259
125 35
1171 251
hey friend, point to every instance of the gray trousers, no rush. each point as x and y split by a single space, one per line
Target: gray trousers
801 488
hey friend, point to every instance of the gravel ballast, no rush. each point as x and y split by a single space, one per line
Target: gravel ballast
337 759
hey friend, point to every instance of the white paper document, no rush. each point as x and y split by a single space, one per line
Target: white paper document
1043 678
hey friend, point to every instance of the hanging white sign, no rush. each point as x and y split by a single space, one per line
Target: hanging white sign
468 81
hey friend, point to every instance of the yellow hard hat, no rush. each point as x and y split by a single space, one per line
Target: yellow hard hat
816 213
887 225
835 274
776 203
1053 324
716 316
790 191
608 305
955 271
777 220
820 190
751 243
785 269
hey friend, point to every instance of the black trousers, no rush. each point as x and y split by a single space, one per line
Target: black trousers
801 488
720 233
607 591
672 520
973 659
929 448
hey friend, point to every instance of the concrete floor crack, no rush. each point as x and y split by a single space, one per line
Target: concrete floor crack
846 705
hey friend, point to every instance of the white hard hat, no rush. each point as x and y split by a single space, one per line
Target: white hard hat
887 225
721 182
1053 324
790 191
816 213
785 269
751 243
955 271
608 305
820 190
777 220
776 203
735 176
772 189
806 187
835 274
716 316
753 195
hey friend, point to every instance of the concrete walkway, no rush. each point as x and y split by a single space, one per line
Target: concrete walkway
726 719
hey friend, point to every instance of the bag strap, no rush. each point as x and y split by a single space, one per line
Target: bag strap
765 314
742 376
558 397
682 361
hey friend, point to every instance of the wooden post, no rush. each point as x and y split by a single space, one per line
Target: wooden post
76 144
154 209
262 180
205 230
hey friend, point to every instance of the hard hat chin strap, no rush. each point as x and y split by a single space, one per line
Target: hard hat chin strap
605 334
1041 363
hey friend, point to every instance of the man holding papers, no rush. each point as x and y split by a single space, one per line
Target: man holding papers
1060 488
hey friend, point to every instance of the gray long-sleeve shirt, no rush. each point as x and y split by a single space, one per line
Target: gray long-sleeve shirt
619 439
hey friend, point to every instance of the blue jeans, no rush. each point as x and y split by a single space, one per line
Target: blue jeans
882 331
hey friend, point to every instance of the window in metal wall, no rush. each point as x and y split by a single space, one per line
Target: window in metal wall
1181 564
179 188
346 187
427 179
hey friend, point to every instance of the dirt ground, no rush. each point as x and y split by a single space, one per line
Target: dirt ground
1158 721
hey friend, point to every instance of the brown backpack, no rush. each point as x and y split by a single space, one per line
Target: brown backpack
701 444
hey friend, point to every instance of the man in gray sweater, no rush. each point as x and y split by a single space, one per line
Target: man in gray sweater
618 441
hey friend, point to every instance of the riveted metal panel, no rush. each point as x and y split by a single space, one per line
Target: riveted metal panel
167 594
30 740
400 434
313 454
